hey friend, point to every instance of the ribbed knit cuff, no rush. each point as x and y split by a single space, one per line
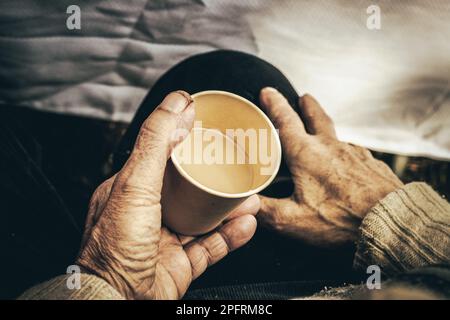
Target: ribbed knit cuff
409 228
91 288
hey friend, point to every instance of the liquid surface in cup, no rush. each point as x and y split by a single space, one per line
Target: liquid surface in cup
204 159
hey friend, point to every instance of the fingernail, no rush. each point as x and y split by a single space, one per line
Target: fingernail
176 101
269 89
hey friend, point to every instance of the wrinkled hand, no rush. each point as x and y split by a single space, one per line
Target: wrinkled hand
335 183
124 242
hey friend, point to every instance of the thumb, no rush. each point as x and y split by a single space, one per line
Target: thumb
168 125
274 212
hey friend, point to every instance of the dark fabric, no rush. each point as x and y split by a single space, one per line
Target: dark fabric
262 291
435 278
38 236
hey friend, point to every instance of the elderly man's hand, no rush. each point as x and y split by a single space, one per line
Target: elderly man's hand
335 183
124 242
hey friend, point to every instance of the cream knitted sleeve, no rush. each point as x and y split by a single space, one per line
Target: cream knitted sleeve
91 288
409 228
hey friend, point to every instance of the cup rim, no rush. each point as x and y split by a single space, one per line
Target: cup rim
226 194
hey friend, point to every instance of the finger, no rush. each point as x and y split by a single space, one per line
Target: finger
162 130
281 112
362 152
184 240
249 206
209 249
273 212
291 129
315 118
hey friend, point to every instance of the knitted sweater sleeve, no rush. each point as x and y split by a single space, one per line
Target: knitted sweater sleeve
62 288
409 228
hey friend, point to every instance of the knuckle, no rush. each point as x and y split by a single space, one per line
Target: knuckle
132 189
150 135
278 110
328 119
99 193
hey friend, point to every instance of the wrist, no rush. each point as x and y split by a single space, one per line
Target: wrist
112 277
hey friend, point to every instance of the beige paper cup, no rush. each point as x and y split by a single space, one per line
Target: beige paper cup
191 205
